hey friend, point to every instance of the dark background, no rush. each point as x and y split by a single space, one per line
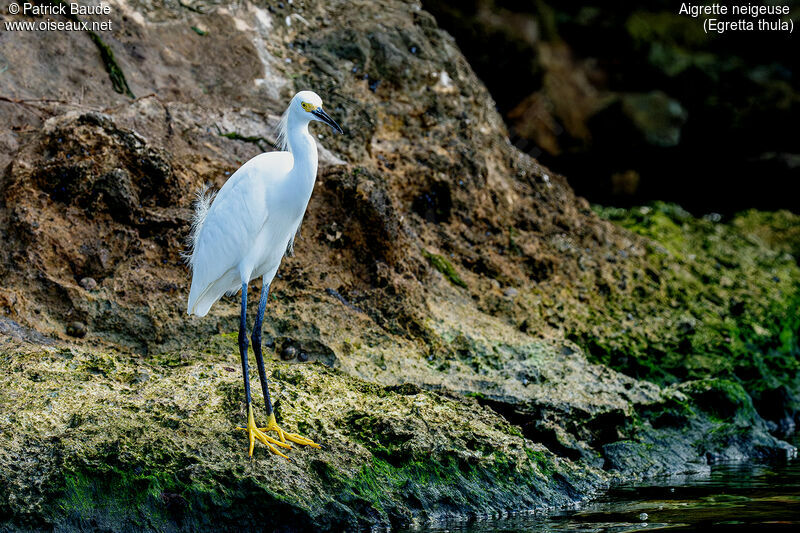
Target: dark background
635 103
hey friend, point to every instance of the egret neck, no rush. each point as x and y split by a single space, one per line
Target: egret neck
304 153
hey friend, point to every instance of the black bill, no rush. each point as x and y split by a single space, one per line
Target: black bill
324 117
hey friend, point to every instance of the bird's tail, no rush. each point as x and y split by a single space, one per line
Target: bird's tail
199 305
200 301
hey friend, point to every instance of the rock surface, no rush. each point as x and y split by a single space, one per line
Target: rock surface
469 323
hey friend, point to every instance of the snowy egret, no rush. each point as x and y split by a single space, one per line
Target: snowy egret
244 231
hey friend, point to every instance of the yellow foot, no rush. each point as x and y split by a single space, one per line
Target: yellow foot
284 436
254 433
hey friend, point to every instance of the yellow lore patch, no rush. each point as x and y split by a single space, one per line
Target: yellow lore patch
308 107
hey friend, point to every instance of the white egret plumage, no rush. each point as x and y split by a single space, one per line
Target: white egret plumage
243 231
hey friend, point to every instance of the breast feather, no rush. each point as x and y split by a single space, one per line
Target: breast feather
226 229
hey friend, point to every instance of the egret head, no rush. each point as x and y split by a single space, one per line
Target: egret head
309 104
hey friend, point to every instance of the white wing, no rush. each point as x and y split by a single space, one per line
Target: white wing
227 232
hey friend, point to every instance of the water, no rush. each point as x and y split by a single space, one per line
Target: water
738 497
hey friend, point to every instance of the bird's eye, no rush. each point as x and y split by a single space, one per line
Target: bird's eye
308 107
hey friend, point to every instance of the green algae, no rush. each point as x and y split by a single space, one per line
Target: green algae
445 267
723 400
118 498
452 480
115 73
257 140
719 301
512 243
542 462
157 500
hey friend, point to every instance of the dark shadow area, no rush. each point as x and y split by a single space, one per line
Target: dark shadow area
634 102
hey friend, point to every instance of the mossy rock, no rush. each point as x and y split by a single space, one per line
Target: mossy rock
85 446
720 299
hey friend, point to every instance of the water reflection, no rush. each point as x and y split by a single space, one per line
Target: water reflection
741 497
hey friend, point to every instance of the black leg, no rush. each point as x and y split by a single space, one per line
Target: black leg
243 345
262 305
